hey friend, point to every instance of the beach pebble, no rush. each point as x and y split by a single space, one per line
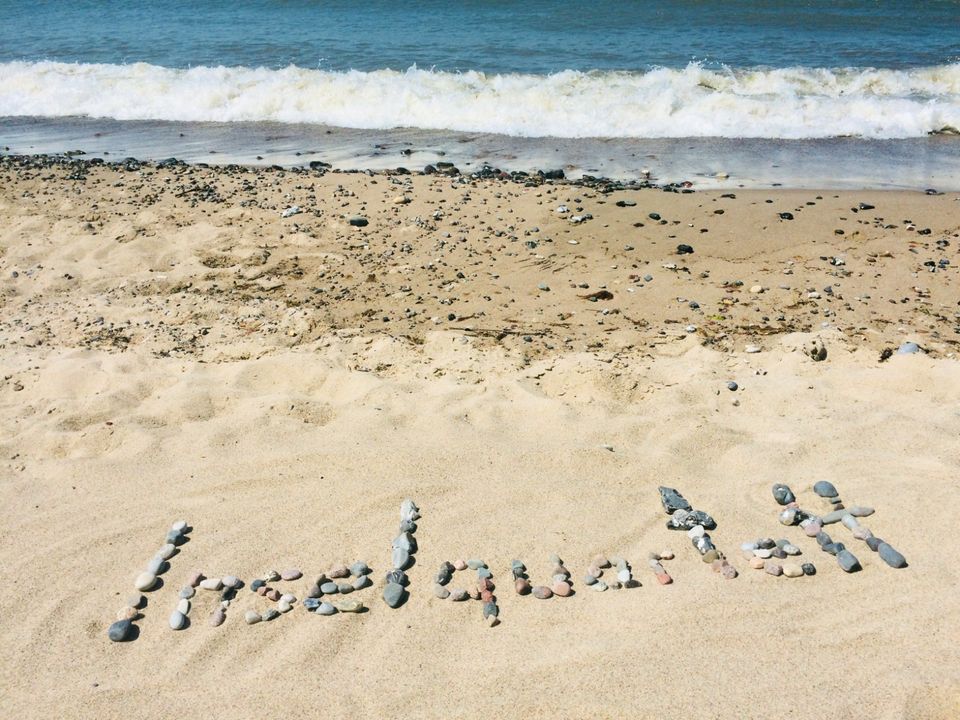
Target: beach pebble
329 588
211 584
772 568
231 581
672 500
792 570
600 561
732 387
338 572
825 489
326 608
542 592
344 588
860 511
311 603
862 533
490 609
562 589
359 569
624 575
849 521
272 594
459 595
809 569
217 618
183 605
404 541
349 606
908 348
791 549
601 586
167 551
813 528
522 586
178 620
396 576
441 592
788 517
710 555
174 538
823 539
401 559
284 606
873 543
783 494
127 613
663 578
763 553
728 571
666 555
187 592
180 526
120 631
834 516
271 576
196 577
136 601
890 556
394 594
358 221
362 582
460 564
476 564
270 614
848 561
157 565
145 581
757 563
589 579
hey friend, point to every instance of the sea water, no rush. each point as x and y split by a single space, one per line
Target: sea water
801 93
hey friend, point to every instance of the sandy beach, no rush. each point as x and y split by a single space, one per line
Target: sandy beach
223 346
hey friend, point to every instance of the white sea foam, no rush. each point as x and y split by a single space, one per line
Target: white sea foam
690 102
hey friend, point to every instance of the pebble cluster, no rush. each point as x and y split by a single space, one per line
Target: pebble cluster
764 553
404 547
338 580
655 559
227 586
696 523
482 591
148 580
813 525
560 583
622 579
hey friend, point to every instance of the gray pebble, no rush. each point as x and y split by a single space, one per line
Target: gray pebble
120 631
252 617
345 588
783 494
269 614
326 609
441 592
361 582
476 564
401 559
358 221
834 516
860 511
490 609
809 569
890 556
849 521
397 576
187 592
484 572
589 579
873 543
848 561
732 387
136 601
908 348
329 588
157 565
825 489
174 538
405 541
178 620
167 551
311 604
823 539
394 595
359 568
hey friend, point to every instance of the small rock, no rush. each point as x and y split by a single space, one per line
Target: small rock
589 579
908 348
401 559
809 569
283 606
543 592
217 618
394 595
728 571
460 564
359 569
860 511
349 606
326 608
562 589
183 605
167 551
825 489
120 631
601 586
522 586
459 595
329 588
290 574
848 561
231 581
145 581
792 570
157 565
358 221
361 582
757 563
178 620
211 584
890 556
772 568
338 571
270 614
441 592
783 494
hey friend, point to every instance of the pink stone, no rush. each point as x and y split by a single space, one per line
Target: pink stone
729 572
273 594
484 584
542 592
664 579
262 590
562 589
291 574
522 586
338 571
717 565
460 564
487 596
195 578
218 617
813 528
772 568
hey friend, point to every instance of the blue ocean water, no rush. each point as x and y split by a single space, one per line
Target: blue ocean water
483 77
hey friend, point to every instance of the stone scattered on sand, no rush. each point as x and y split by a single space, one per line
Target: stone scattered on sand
349 606
873 543
792 570
809 569
231 581
359 569
183 605
157 565
397 576
600 586
178 621
127 613
542 592
167 551
270 614
757 563
187 592
394 595
290 574
890 556
145 581
211 584
283 606
825 489
252 617
326 608
783 494
672 500
848 561
136 601
120 631
358 221
441 592
561 589
196 577
329 588
338 572
218 617
772 568
362 582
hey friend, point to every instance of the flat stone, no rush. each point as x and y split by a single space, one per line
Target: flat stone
273 594
338 572
231 581
441 592
542 592
663 578
791 549
522 586
873 543
362 582
409 510
121 631
217 618
397 576
359 569
196 577
291 574
127 613
908 348
394 595
783 494
823 539
358 221
459 595
145 581
834 516
778 553
792 570
329 588
256 585
183 605
284 607
772 568
825 489
326 608
460 564
672 500
710 555
809 569
157 565
314 591
763 553
288 598
600 586
349 606
187 592
860 511
270 614
890 556
848 561
211 584
484 573
167 551
562 589
757 563
178 621
684 520
311 603
345 588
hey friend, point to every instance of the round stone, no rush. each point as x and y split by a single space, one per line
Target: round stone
476 564
187 592
174 537
272 594
271 576
329 588
441 592
788 517
562 589
783 494
270 614
127 613
145 581
589 579
217 618
542 592
136 601
825 489
522 586
291 574
772 568
757 563
345 588
599 586
460 564
809 569
283 606
763 553
361 582
791 549
211 584
359 568
459 595
178 620
120 631
710 555
231 581
167 551
848 561
394 595
624 575
490 609
157 565
288 598
183 606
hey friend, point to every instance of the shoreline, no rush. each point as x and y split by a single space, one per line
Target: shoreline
718 163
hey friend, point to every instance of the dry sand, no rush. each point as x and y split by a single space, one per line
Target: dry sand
173 348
